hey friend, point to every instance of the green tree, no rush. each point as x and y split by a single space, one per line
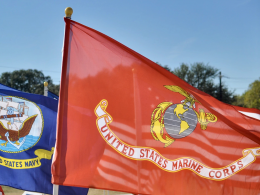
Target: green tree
30 81
239 100
198 75
251 98
202 77
54 88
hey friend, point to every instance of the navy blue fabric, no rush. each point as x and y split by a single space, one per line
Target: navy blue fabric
2 86
35 179
52 95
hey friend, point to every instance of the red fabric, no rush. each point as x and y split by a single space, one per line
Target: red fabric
2 191
252 110
95 68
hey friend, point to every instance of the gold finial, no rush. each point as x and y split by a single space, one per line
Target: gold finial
68 12
45 84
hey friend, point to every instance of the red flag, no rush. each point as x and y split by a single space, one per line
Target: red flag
1 191
250 112
127 124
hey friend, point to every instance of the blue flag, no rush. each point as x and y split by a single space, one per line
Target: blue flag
2 86
53 95
27 140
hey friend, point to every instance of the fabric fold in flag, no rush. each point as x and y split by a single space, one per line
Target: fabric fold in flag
127 124
2 86
53 95
27 141
250 112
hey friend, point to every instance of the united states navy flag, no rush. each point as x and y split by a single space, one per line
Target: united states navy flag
53 95
2 86
27 140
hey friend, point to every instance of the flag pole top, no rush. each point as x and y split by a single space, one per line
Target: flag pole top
45 84
68 12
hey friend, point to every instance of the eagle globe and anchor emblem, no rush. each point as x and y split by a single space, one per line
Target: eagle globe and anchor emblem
178 120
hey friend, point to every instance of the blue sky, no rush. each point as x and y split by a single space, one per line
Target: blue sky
223 33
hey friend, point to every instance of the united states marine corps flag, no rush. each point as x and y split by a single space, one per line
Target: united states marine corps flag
127 124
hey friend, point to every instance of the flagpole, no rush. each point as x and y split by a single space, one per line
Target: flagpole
68 13
45 88
55 187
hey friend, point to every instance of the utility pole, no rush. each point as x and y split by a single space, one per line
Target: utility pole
220 87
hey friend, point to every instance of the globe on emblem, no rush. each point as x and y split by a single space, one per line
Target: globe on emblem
179 120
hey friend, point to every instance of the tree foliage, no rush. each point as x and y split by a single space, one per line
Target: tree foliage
251 98
30 81
202 77
198 75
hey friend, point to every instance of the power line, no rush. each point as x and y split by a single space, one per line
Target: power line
238 88
240 78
